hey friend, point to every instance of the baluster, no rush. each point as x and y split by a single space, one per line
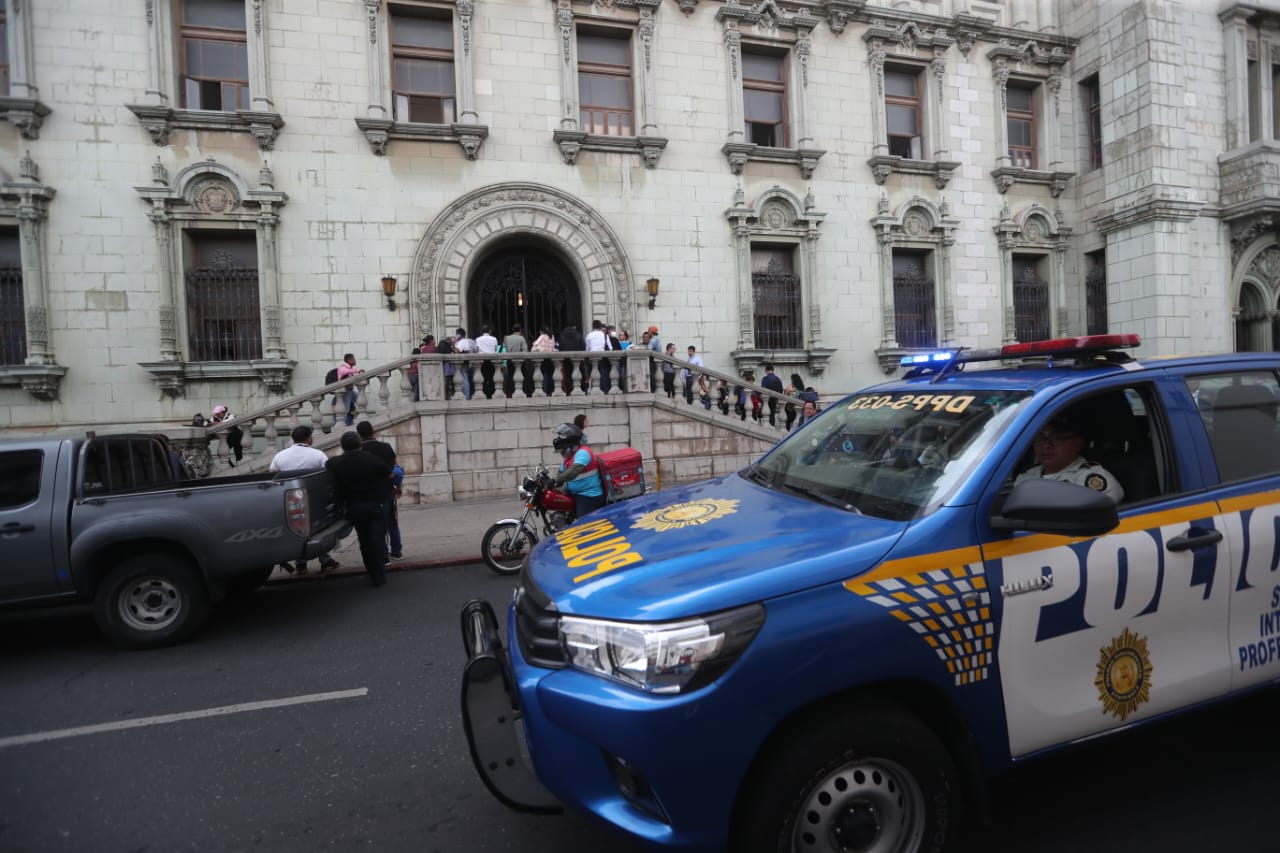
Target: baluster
560 376
384 390
362 398
270 435
246 443
406 386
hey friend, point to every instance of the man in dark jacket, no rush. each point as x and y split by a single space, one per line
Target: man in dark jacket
364 484
772 382
387 454
571 340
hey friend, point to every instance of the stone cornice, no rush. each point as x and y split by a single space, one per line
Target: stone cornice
160 121
739 153
379 132
1148 210
39 380
26 114
572 141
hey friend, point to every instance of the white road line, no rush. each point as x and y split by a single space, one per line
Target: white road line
163 719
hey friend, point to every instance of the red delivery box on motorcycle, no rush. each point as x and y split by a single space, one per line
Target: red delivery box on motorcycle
622 472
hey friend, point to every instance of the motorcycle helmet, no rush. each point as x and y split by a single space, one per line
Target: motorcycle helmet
566 436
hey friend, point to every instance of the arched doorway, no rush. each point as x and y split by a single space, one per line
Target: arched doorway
522 282
1253 320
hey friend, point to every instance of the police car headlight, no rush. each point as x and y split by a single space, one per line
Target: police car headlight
661 657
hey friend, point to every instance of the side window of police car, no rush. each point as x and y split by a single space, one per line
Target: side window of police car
1239 413
19 477
1111 441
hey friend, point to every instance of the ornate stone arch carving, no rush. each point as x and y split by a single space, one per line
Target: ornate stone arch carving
1255 294
456 238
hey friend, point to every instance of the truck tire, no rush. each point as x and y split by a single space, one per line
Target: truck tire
506 545
149 601
247 583
871 779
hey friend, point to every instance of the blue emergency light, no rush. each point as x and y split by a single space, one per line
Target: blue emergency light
1082 346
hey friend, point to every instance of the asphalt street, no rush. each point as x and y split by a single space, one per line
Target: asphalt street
371 755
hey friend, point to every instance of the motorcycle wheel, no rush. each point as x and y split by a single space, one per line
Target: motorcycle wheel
506 546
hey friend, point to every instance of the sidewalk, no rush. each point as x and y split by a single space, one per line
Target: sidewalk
443 535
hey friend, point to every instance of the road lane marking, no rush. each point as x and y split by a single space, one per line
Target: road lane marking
163 719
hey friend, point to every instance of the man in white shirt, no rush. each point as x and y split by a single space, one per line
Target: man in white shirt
487 343
598 341
461 343
685 375
301 456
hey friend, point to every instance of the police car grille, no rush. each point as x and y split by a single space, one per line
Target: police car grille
538 628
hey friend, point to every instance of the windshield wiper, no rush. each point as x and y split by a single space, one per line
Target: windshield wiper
824 497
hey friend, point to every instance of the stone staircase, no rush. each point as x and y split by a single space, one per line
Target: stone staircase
455 448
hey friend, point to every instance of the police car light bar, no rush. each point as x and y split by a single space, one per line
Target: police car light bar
1062 347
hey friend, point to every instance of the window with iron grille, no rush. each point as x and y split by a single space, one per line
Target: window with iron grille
1021 119
764 97
914 314
604 83
215 55
1093 110
902 111
1030 299
422 74
775 293
4 55
1095 293
13 322
223 320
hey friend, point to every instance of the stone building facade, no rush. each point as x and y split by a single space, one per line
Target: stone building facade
211 201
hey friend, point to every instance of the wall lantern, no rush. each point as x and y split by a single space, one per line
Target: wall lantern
652 286
389 290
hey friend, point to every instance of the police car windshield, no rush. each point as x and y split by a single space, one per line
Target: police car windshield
895 455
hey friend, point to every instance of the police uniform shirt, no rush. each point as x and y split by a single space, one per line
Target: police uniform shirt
1082 473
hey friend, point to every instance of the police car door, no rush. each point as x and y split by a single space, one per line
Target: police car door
1238 411
1101 632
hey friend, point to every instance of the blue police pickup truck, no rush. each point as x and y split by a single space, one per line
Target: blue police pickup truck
934 579
117 521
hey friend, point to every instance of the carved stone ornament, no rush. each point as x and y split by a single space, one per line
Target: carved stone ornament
570 143
214 196
687 6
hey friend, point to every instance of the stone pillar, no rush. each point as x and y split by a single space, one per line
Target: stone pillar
1050 140
879 123
746 300
648 116
1060 324
31 221
259 64
946 290
809 286
463 63
269 283
568 66
804 46
888 323
377 86
1006 289
935 112
733 55
1268 46
1001 77
159 63
1235 39
22 72
165 258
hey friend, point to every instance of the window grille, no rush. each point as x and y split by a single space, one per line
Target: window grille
222 299
215 55
914 314
13 325
1030 302
775 291
423 87
1095 288
604 84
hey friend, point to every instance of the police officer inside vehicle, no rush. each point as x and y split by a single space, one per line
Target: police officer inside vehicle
1057 452
579 471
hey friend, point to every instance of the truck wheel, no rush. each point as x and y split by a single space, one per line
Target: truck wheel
150 601
875 781
506 545
245 584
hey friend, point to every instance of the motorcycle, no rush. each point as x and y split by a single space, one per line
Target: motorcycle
508 542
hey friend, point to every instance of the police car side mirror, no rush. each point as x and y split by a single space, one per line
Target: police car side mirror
1052 506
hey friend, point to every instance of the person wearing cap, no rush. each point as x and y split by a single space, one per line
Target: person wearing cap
1057 447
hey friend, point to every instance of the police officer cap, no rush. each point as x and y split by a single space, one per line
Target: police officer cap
1066 423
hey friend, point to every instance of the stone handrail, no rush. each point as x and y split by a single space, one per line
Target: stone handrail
429 381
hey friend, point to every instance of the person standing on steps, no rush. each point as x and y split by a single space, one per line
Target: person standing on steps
772 382
363 483
345 371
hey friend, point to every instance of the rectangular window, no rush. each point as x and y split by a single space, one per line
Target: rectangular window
1030 299
1021 118
223 319
1092 92
914 314
20 477
215 55
13 317
1095 289
764 98
903 123
775 292
423 89
604 83
118 464
4 55
1239 412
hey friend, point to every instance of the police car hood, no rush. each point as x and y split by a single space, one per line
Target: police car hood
701 548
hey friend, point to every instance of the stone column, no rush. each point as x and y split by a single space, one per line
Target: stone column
568 66
1006 289
463 63
159 73
888 323
879 123
809 287
946 290
746 300
1001 77
935 113
31 221
22 72
1060 288
259 79
1235 39
377 86
1050 142
733 55
648 117
804 46
1268 46
169 350
269 282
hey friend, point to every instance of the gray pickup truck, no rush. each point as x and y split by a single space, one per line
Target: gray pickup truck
115 520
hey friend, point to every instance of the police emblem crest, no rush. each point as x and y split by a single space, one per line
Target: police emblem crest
686 514
1097 482
1124 675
